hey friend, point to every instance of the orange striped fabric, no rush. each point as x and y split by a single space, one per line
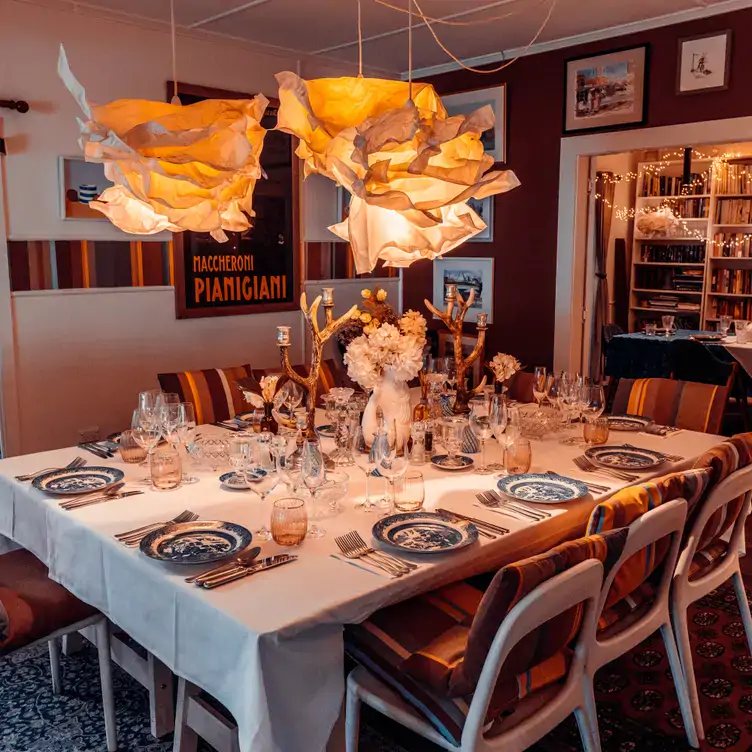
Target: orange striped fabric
684 404
213 391
329 374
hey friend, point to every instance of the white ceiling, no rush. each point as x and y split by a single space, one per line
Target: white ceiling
329 27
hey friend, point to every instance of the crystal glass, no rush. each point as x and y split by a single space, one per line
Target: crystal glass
651 329
539 384
724 324
165 468
418 439
313 473
166 398
452 435
211 451
498 417
451 372
480 425
292 395
364 460
594 402
289 521
289 464
668 324
145 430
391 457
260 474
341 424
240 453
595 431
409 492
148 400
130 450
518 456
186 431
334 489
169 418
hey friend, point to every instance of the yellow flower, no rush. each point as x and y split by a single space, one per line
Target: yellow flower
365 293
355 315
381 295
365 317
370 329
376 323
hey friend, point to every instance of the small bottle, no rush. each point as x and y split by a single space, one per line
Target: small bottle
498 387
269 422
422 411
418 443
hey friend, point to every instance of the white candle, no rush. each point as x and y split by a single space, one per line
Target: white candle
451 292
283 336
328 295
482 321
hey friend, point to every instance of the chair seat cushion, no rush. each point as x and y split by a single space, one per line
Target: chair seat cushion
704 561
34 605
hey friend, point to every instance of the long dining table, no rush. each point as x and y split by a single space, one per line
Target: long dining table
270 647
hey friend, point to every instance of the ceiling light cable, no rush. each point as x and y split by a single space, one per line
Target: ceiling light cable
410 45
448 21
360 42
175 97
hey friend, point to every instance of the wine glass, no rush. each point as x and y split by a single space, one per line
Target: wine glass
365 461
313 473
499 417
241 451
511 434
539 384
480 425
146 433
724 324
292 396
391 458
260 476
289 465
148 400
169 419
452 436
166 398
451 373
186 432
594 402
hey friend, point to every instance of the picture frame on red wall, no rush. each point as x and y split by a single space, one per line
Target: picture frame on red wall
704 63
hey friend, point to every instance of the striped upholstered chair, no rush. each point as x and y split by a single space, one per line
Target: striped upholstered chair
212 391
35 610
684 404
476 670
330 374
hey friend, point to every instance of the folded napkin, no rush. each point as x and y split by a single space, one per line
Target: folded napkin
362 563
661 431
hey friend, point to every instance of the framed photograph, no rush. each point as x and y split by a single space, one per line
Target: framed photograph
80 183
704 63
606 91
484 208
446 350
467 274
495 139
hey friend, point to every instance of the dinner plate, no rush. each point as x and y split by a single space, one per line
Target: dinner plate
542 488
440 461
326 431
627 422
623 458
78 480
707 337
424 532
196 542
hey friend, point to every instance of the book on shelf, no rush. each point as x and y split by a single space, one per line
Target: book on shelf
733 211
692 253
732 281
733 178
732 245
738 309
654 184
687 307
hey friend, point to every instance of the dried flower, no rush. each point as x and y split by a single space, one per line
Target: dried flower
355 315
504 366
268 386
381 295
366 317
414 324
365 293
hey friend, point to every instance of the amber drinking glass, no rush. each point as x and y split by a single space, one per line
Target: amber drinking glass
166 469
130 450
409 492
595 431
289 521
518 456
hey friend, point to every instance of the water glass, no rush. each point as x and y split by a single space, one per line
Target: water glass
518 456
452 436
186 432
313 474
668 323
651 329
166 469
391 456
499 417
289 521
409 492
539 384
241 454
480 425
595 431
724 324
130 450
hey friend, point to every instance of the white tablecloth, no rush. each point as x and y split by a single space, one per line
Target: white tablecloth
742 353
268 647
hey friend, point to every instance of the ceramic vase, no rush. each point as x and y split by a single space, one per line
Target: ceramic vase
393 397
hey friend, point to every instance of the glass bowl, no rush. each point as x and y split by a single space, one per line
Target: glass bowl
211 451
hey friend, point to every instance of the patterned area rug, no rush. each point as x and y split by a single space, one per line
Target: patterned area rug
637 706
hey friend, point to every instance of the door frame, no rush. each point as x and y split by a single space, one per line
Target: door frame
572 242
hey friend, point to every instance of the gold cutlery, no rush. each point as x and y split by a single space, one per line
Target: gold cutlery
489 526
102 499
240 572
240 561
185 516
77 462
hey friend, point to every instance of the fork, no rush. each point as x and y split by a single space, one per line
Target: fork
350 551
666 457
500 501
388 557
132 538
589 467
77 462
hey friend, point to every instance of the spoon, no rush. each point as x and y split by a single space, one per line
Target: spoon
242 560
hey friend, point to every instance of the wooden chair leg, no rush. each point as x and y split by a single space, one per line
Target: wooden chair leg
105 673
161 702
54 647
186 739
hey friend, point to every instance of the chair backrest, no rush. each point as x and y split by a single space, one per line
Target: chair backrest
521 387
684 404
579 585
695 361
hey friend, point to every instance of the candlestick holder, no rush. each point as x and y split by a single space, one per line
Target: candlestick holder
319 338
454 321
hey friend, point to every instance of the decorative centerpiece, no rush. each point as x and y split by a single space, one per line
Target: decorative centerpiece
503 367
319 337
383 359
261 394
454 324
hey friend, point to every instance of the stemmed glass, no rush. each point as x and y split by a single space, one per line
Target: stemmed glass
289 465
480 425
148 400
499 417
186 432
512 433
539 384
169 419
668 324
594 402
260 476
364 460
313 473
391 456
724 324
146 433
241 451
452 434
292 396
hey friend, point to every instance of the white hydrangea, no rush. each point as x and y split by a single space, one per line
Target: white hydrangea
504 366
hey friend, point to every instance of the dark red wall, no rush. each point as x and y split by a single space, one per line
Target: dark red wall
526 219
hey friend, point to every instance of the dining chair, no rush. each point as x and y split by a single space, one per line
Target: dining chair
331 374
199 716
709 558
35 610
212 391
664 523
521 387
668 402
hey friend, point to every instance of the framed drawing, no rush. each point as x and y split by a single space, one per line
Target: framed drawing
484 208
495 139
446 350
704 63
80 183
467 274
606 91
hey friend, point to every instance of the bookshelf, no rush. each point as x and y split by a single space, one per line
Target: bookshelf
695 278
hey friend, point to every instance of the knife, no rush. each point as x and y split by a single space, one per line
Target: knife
241 572
242 560
96 451
100 499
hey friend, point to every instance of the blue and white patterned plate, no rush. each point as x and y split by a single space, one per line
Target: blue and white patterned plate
234 482
424 533
627 422
623 458
196 542
78 480
441 461
542 488
326 431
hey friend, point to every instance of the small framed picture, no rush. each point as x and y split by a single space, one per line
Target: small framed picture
606 91
704 63
466 274
484 208
494 139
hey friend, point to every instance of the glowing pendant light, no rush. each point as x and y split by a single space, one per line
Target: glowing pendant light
174 168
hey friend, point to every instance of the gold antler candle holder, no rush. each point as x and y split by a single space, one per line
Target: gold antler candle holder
319 337
454 324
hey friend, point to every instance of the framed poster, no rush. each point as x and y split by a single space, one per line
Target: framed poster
606 91
495 139
704 63
467 274
257 271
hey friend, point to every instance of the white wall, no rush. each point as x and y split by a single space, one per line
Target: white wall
80 357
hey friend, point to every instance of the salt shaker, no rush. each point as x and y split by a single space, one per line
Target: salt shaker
418 437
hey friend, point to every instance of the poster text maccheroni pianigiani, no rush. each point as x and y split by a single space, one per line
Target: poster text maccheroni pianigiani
236 281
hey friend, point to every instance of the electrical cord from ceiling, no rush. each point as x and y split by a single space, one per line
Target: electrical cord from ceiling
449 21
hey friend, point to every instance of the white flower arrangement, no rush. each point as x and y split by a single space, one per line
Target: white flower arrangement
384 349
504 366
